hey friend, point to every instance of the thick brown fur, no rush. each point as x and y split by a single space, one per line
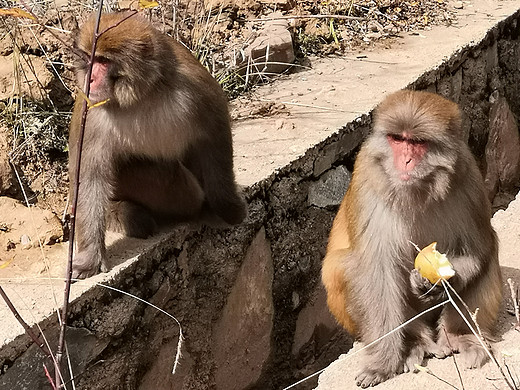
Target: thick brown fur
367 271
159 149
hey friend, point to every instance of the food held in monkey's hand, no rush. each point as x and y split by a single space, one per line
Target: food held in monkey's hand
433 265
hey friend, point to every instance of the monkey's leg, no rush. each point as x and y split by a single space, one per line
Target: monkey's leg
334 279
131 219
383 307
149 189
480 289
212 164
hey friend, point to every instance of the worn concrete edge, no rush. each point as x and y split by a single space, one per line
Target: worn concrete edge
350 135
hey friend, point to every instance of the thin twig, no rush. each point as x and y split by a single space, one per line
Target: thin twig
341 17
454 358
430 372
514 297
49 378
66 294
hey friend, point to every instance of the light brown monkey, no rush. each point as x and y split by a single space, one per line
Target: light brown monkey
415 180
160 148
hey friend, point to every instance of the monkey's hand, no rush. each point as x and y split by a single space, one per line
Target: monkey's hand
424 289
85 265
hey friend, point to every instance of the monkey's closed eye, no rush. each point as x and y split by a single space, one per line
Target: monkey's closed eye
102 60
396 137
417 141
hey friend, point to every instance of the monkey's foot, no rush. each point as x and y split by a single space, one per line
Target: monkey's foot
85 265
473 354
371 377
232 211
416 356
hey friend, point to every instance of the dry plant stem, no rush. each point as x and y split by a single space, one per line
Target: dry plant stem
429 372
341 17
66 295
49 378
479 337
26 327
514 297
454 359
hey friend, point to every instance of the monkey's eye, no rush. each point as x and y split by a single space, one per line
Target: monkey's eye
396 137
102 60
417 141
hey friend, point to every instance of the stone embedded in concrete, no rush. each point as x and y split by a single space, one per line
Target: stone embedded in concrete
330 188
346 143
314 322
242 336
159 376
502 149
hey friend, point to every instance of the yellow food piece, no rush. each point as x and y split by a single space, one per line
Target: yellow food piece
433 265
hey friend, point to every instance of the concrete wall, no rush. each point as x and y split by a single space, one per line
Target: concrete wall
249 298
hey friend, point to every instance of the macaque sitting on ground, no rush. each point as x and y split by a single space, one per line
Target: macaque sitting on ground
158 149
415 181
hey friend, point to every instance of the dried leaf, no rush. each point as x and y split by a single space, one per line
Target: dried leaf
16 12
148 4
6 263
99 103
82 95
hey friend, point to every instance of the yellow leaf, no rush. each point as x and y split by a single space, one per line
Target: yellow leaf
84 97
99 103
433 265
6 263
148 4
16 12
90 105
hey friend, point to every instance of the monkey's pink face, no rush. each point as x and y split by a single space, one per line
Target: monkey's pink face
99 79
407 153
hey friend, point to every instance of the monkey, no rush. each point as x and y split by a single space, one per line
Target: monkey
415 180
157 147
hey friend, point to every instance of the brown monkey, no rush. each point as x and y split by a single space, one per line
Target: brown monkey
416 180
159 148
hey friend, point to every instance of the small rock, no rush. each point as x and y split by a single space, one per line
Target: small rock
25 240
10 245
271 51
7 176
458 5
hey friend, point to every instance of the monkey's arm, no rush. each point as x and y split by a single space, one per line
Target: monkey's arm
93 198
